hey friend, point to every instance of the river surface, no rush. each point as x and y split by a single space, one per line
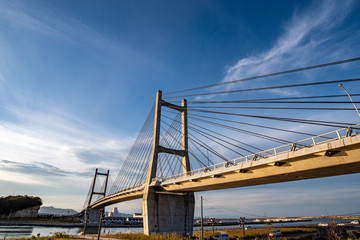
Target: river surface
28 231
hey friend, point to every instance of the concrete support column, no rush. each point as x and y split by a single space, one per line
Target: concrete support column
93 217
185 144
169 213
149 198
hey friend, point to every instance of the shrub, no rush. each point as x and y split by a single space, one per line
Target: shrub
60 235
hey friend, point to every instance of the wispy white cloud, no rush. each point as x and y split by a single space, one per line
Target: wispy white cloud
58 141
10 12
307 38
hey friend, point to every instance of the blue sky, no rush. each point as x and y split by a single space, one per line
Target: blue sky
78 78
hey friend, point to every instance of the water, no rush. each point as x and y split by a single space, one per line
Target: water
28 231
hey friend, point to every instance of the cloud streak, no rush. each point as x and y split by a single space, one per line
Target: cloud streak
306 39
60 141
34 168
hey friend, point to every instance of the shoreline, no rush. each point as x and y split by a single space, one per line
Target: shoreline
33 222
41 224
66 225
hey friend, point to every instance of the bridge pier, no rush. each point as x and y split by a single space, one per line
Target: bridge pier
165 213
93 217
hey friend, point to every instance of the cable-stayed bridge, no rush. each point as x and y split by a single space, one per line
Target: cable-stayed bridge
214 141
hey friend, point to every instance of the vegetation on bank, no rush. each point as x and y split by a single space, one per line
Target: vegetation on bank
253 233
16 203
54 236
141 236
233 234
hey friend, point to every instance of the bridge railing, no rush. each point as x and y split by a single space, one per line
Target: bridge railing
291 147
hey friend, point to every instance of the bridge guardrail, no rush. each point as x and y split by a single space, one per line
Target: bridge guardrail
306 143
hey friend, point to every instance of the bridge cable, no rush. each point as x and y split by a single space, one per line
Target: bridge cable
121 177
207 147
282 141
275 108
272 118
179 124
174 134
269 99
170 144
295 102
138 158
305 121
263 136
85 205
266 137
169 164
174 157
210 137
145 164
198 160
244 123
190 139
189 150
146 145
228 137
173 125
235 140
134 157
267 88
194 129
145 156
269 75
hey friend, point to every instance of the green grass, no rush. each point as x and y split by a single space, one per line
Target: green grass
54 236
233 234
141 236
261 232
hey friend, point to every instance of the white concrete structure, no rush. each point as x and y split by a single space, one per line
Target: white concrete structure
114 213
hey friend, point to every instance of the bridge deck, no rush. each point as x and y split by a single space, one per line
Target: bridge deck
329 154
328 159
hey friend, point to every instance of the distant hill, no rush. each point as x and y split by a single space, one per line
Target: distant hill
56 211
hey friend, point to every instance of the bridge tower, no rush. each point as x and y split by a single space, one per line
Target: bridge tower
92 216
166 212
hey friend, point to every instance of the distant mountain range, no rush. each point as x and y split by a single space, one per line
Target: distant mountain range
56 211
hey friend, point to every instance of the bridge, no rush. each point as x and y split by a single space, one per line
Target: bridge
170 159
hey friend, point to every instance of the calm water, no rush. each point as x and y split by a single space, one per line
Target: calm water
28 231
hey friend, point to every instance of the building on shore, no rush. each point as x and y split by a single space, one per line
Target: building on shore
114 213
137 215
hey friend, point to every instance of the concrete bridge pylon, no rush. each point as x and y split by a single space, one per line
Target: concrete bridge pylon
166 212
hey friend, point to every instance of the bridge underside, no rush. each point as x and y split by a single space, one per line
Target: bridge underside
118 197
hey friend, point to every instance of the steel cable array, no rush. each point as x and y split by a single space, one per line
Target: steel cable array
219 136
